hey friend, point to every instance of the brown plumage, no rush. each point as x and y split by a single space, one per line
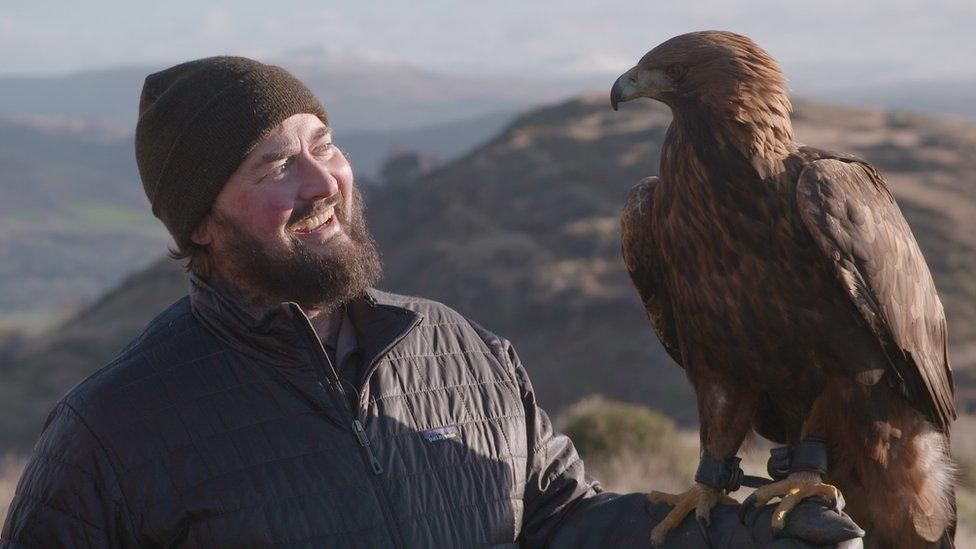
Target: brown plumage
787 283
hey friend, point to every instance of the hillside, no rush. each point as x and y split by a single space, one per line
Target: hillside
74 219
521 234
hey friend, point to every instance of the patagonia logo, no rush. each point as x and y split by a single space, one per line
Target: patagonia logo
442 433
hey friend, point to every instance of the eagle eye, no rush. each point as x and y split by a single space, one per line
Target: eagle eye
674 72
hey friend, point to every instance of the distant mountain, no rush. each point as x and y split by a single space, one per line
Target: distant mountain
359 95
370 96
367 150
366 95
111 94
942 96
521 234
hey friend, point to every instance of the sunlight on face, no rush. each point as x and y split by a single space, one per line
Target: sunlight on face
289 225
286 190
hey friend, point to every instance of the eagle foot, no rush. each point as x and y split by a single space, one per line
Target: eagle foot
794 489
699 497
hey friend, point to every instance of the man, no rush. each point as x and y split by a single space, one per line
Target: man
284 401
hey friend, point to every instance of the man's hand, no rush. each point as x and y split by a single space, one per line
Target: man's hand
812 522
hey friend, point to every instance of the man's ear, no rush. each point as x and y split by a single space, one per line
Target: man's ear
203 234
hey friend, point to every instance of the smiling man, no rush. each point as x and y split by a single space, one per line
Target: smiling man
288 226
285 401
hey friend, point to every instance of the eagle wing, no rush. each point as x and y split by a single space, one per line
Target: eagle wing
853 218
637 246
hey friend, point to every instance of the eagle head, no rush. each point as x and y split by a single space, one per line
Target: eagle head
725 78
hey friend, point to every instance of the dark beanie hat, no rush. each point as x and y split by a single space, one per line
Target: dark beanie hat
197 123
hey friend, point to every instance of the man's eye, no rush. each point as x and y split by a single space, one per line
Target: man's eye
325 148
277 170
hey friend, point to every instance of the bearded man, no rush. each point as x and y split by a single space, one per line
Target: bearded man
285 401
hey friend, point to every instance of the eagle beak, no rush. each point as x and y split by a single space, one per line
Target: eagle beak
639 82
623 88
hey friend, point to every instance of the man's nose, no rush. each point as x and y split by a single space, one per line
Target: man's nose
318 181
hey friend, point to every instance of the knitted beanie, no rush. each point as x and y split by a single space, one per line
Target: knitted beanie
198 121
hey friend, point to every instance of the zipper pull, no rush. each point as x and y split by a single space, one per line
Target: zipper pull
357 428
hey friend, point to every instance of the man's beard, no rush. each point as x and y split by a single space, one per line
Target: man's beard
313 281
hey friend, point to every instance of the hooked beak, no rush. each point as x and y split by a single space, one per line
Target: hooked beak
639 82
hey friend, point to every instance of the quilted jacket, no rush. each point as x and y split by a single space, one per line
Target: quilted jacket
216 429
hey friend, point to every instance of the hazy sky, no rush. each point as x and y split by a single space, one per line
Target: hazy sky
851 39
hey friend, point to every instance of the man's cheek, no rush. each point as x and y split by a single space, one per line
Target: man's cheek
272 219
262 203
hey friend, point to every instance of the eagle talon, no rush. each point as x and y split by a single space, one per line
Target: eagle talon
836 504
794 489
699 498
703 524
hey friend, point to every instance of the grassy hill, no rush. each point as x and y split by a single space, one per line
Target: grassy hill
522 235
74 219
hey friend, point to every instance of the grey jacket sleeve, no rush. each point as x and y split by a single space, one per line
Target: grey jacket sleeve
555 481
68 495
563 506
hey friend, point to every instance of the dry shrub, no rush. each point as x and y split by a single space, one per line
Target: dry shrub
601 428
630 447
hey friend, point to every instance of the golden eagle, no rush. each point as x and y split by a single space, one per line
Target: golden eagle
786 282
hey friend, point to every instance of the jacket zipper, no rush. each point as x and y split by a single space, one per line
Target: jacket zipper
372 366
357 428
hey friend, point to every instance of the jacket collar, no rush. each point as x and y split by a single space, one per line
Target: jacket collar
280 337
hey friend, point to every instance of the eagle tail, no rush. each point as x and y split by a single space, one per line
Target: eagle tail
934 508
900 488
